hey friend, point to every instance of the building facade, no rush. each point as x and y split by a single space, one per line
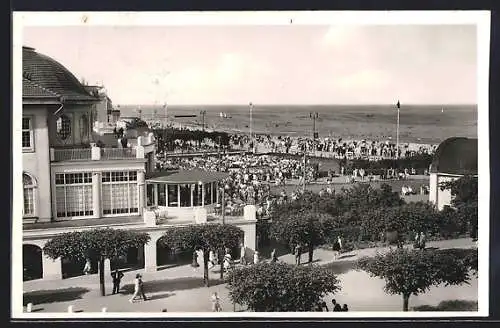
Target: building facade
74 180
454 158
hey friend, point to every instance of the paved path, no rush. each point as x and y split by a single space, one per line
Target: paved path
180 289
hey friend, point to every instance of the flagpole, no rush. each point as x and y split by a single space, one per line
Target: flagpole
251 126
397 133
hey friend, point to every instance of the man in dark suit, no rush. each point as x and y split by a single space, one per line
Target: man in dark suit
117 276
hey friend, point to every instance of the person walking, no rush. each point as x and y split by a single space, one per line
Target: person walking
256 257
215 299
228 261
298 254
339 241
274 257
422 240
117 276
243 260
336 249
212 259
87 268
138 289
195 263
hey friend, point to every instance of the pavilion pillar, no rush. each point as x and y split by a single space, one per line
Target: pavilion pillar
191 188
166 194
142 191
202 194
155 194
178 195
96 194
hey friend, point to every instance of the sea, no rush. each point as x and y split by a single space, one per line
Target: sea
423 124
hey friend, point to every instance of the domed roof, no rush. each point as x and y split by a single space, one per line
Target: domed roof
456 156
43 76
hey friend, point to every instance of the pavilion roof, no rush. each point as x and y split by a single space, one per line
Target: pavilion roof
186 176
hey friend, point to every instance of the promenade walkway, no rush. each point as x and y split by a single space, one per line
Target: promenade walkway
180 289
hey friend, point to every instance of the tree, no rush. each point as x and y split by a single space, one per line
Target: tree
465 197
280 287
463 189
413 272
301 228
205 237
95 244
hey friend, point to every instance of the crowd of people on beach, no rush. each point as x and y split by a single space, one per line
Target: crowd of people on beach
339 148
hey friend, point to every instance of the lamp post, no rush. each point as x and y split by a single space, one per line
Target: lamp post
305 166
202 113
314 116
251 127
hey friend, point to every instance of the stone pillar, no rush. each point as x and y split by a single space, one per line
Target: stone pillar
96 194
150 253
96 153
250 238
52 269
142 191
249 227
250 212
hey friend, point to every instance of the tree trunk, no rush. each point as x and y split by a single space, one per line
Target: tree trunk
406 298
221 262
205 268
101 276
311 251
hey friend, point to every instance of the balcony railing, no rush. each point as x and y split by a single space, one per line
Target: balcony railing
72 154
117 153
93 154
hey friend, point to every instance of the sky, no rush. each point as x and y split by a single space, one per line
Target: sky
295 64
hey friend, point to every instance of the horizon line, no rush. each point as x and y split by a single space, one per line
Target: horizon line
284 104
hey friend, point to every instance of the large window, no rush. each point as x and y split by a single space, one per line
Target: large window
173 193
74 194
197 194
162 200
150 195
208 193
185 190
84 128
63 127
27 134
120 192
29 191
214 192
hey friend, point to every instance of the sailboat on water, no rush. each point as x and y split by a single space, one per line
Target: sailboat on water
442 110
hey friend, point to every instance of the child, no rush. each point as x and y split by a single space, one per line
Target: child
216 307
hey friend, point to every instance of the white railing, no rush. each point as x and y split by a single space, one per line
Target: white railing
72 154
117 153
91 154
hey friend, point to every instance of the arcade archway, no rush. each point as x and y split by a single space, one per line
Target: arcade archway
32 262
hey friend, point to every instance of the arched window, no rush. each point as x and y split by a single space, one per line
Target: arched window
63 127
29 196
